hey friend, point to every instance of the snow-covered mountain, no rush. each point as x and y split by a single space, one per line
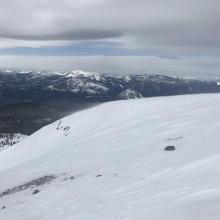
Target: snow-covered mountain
129 94
109 162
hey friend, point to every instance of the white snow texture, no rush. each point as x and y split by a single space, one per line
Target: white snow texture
115 155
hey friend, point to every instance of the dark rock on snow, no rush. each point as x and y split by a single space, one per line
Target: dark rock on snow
170 148
31 184
98 175
35 191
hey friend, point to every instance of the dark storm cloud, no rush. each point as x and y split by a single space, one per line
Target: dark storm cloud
65 35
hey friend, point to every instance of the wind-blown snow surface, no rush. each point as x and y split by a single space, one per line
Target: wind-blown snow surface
115 152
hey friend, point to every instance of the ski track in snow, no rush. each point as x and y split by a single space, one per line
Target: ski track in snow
110 163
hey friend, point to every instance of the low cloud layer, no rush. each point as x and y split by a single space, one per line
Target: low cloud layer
118 64
171 28
67 35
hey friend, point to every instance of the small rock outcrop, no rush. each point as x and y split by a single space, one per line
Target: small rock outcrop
170 148
99 175
36 191
31 184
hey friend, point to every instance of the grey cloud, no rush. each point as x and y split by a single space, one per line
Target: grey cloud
167 28
65 35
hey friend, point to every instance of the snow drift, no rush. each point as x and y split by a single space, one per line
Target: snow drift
109 163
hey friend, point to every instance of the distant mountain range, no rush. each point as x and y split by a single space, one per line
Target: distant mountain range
47 87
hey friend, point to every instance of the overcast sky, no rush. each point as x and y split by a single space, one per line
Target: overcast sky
152 36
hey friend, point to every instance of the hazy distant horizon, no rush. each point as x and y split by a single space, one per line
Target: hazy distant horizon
111 64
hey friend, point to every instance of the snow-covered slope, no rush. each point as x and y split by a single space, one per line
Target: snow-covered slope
109 163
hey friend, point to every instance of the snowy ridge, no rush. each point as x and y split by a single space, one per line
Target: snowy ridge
80 73
109 163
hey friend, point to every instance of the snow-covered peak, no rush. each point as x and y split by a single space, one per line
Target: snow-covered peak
127 78
129 94
8 71
80 73
59 73
25 71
